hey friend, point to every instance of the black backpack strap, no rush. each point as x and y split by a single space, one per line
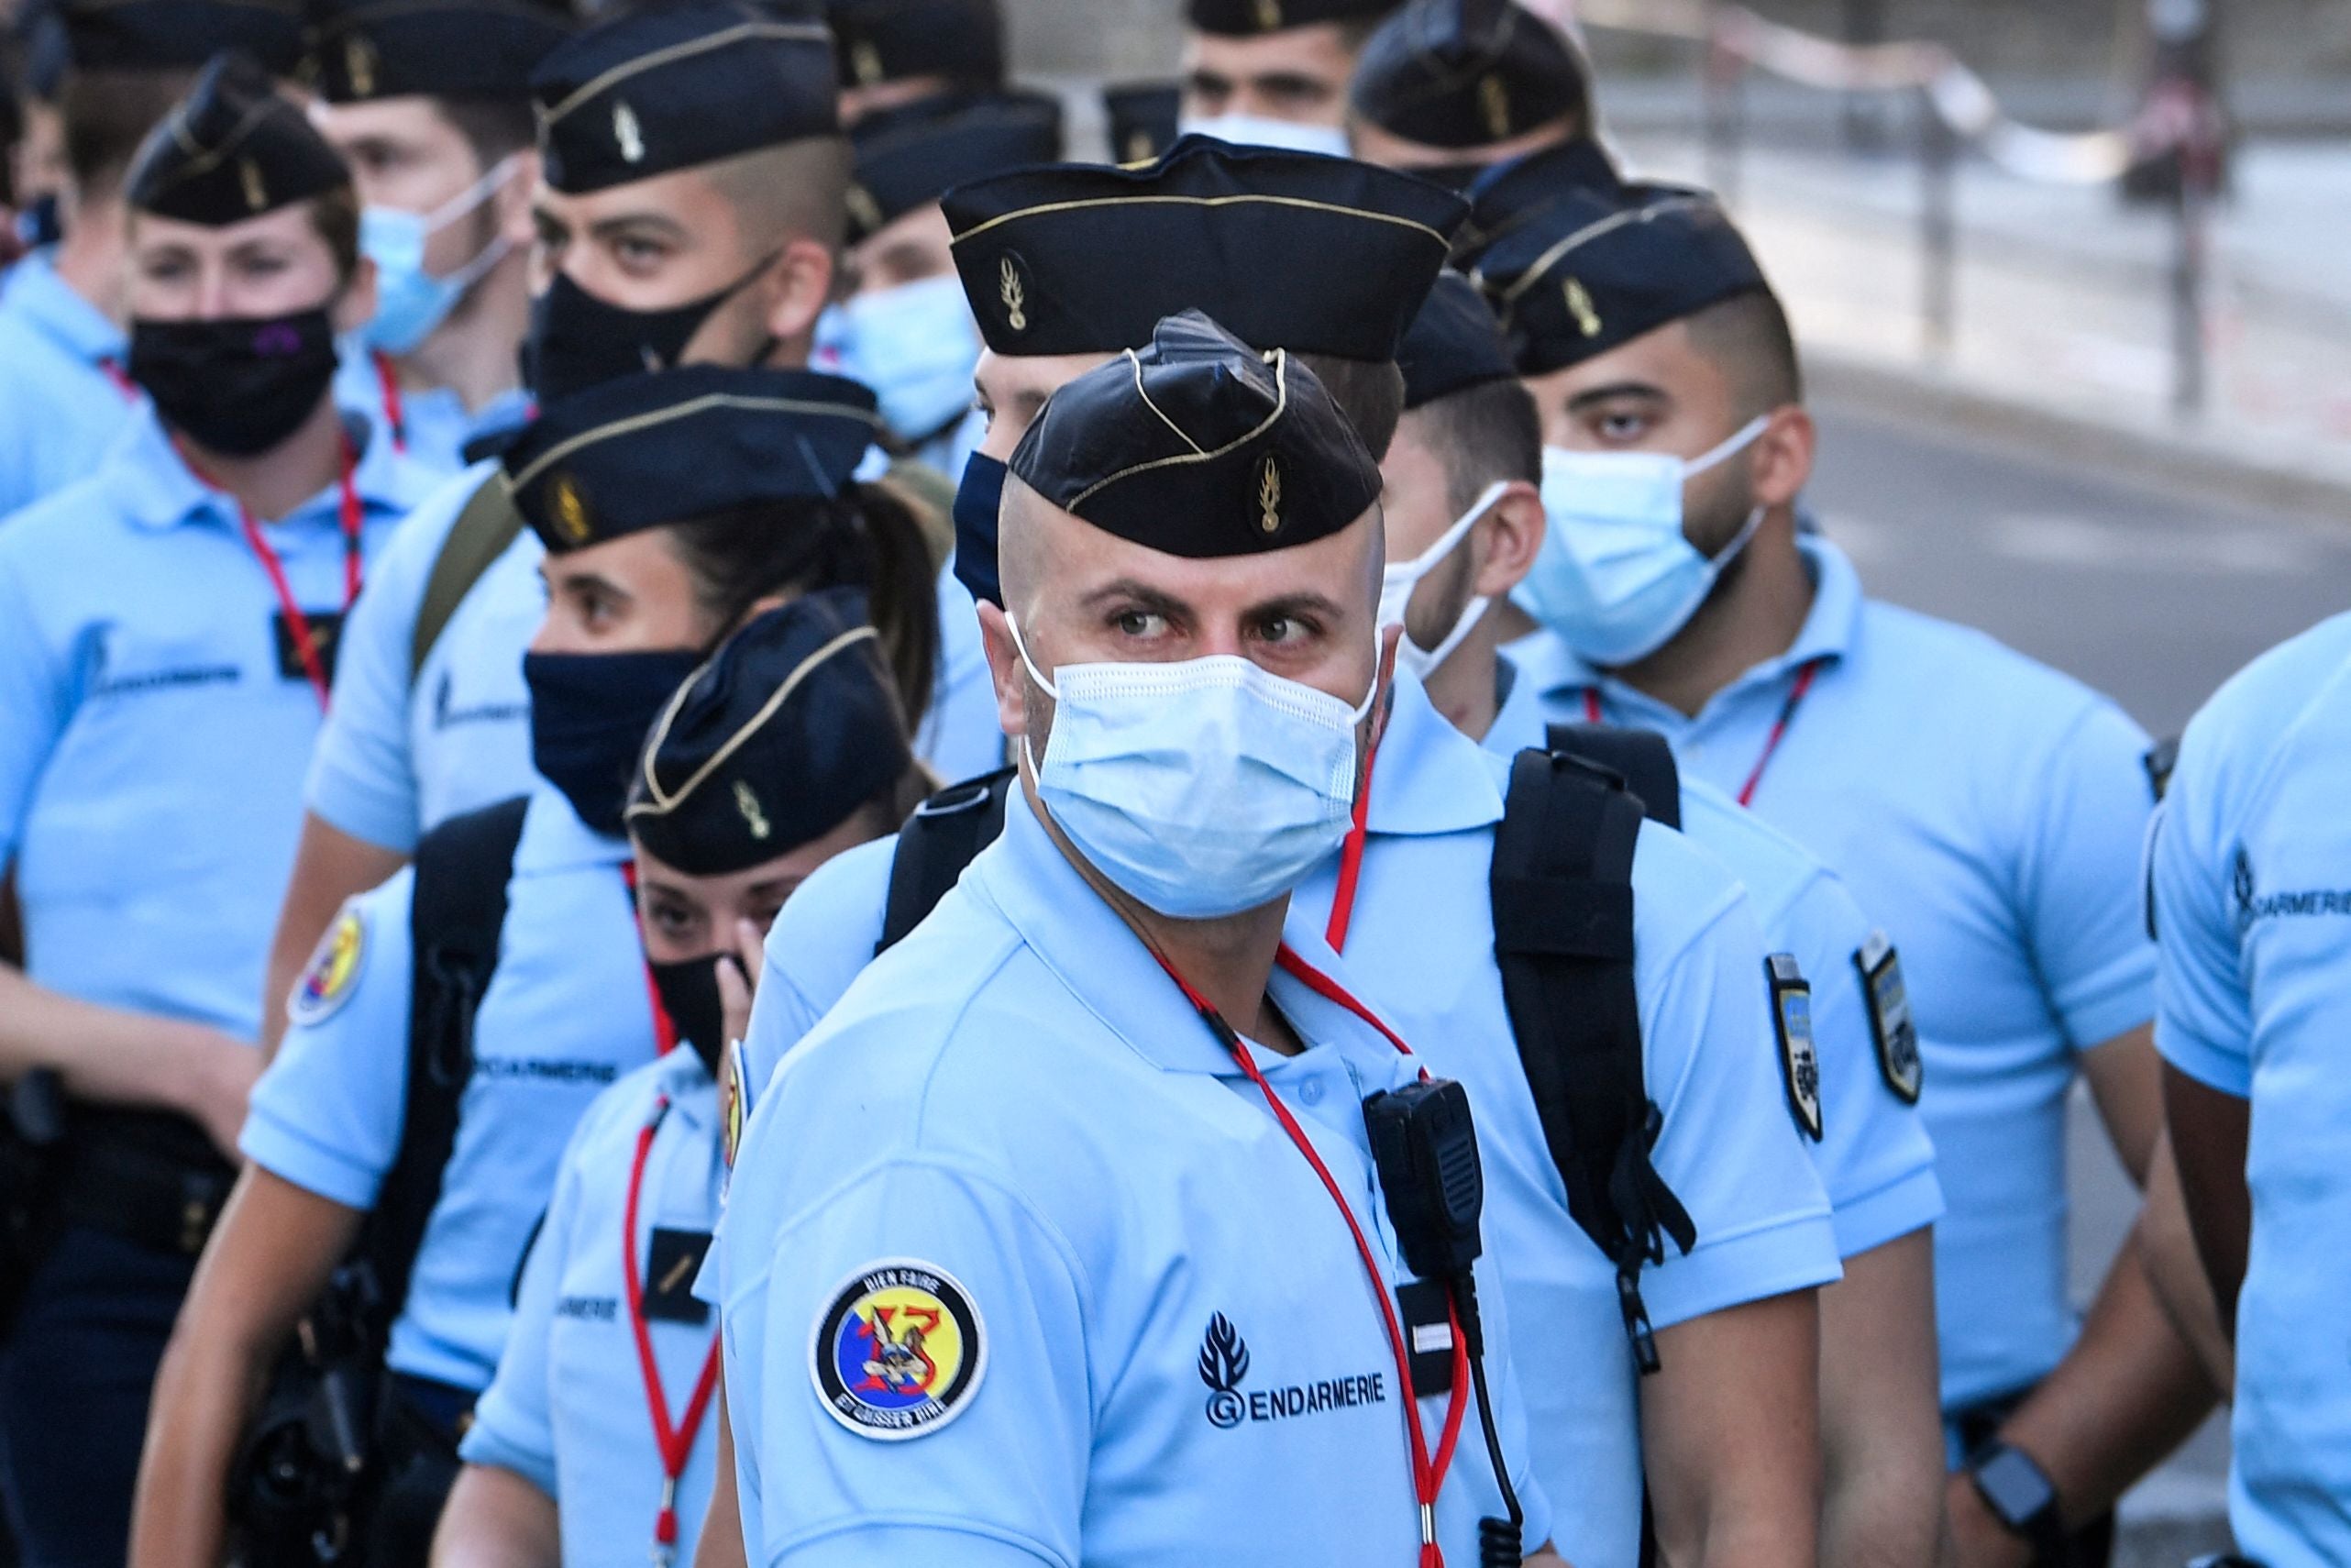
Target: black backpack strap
1641 758
455 914
1564 937
937 841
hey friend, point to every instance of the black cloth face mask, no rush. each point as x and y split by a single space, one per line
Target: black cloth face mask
590 716
978 500
237 387
577 341
689 992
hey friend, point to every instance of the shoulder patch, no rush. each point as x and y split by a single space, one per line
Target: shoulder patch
1890 1020
733 1103
333 973
1799 1060
898 1350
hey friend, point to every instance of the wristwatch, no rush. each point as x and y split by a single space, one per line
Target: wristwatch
2022 1498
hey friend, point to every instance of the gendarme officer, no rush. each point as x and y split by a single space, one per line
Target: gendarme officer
1025 1284
167 636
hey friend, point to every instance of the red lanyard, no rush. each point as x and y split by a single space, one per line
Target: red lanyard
389 380
298 622
1796 691
114 372
1427 1474
676 1442
664 1028
1350 862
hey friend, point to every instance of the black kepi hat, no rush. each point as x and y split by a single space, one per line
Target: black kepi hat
671 87
892 41
788 729
1142 118
1599 269
358 50
1253 18
909 157
1466 73
1453 344
1199 446
664 447
234 149
179 35
1316 255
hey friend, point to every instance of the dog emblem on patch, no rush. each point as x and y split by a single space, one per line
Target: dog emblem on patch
898 1351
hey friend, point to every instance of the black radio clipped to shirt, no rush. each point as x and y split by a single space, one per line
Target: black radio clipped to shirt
1424 1145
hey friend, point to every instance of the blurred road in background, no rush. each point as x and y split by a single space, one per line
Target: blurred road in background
2149 596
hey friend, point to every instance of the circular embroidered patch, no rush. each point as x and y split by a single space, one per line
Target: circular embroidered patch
333 973
734 1105
898 1350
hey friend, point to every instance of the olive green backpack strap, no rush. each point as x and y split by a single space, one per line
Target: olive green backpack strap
483 530
931 497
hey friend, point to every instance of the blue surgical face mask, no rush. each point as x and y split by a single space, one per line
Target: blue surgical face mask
411 302
978 500
1257 130
915 345
1615 578
1402 577
1202 788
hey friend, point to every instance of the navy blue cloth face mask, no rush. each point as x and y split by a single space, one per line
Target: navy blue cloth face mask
978 499
590 716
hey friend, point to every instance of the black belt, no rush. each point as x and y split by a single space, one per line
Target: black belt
150 1178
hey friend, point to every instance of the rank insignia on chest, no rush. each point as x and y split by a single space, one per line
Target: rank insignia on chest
1890 1020
674 1258
898 1350
1799 1060
324 628
333 973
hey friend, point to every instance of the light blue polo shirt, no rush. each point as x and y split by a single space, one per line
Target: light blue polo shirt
565 1015
152 745
1422 936
1422 933
397 756
1873 1152
2252 883
1990 813
567 1410
434 423
60 411
1145 1335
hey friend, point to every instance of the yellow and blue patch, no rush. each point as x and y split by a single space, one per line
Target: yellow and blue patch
733 1103
333 973
898 1350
